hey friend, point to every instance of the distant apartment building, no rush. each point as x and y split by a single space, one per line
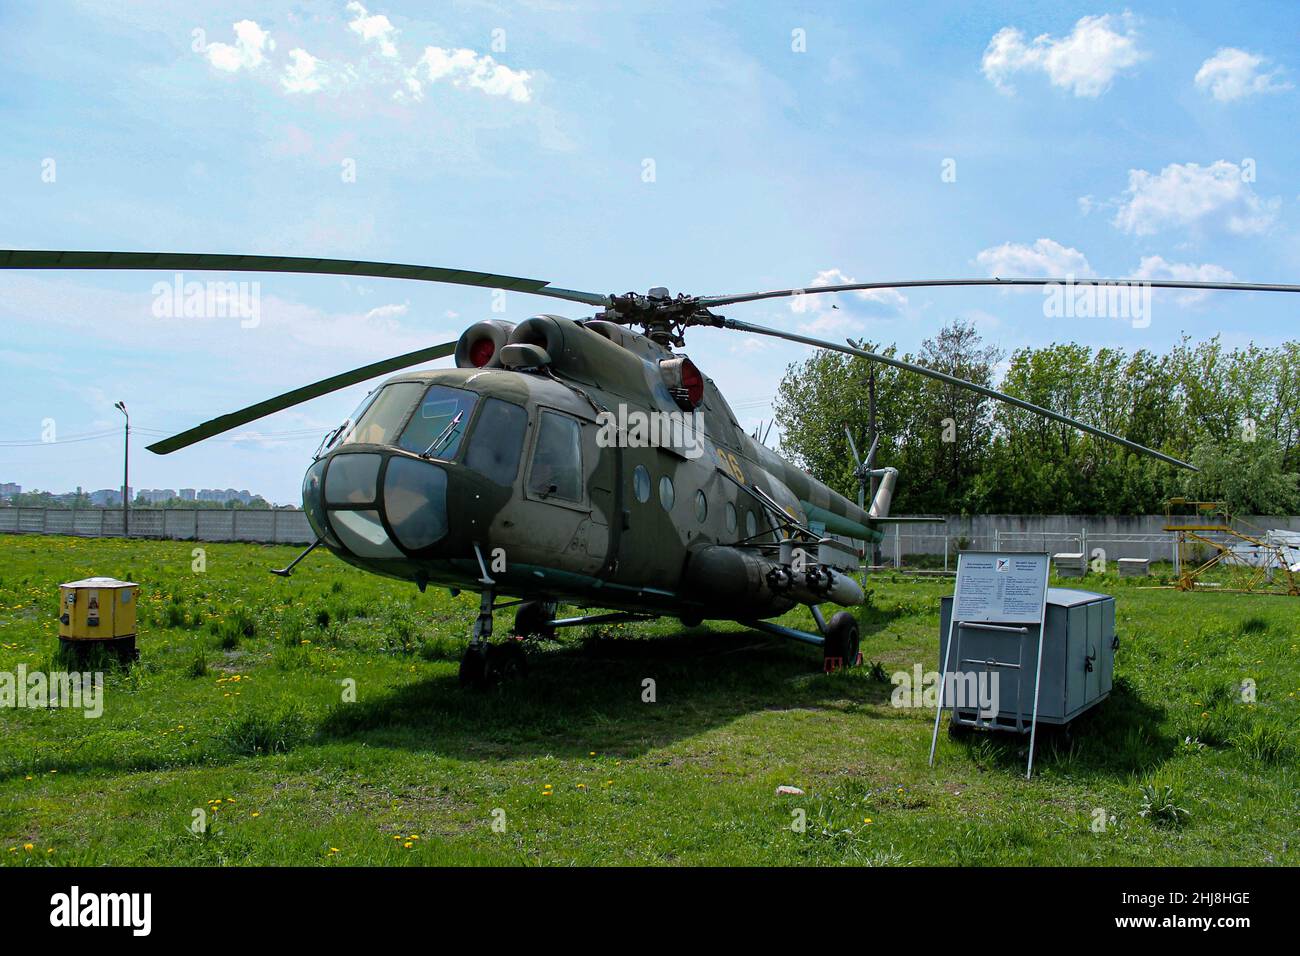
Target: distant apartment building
229 494
8 489
188 494
107 497
157 496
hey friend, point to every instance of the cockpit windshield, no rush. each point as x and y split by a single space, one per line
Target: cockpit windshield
386 414
439 423
334 434
433 420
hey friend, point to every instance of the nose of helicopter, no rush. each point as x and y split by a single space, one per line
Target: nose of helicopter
377 504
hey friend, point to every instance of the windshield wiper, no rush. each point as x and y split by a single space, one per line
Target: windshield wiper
330 438
444 437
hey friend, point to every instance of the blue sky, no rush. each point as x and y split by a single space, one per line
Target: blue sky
785 144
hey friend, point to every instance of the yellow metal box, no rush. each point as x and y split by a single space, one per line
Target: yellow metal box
97 609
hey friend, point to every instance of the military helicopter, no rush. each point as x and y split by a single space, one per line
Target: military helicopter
582 462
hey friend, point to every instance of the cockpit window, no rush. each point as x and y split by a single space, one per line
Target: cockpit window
381 421
439 423
498 440
557 459
332 437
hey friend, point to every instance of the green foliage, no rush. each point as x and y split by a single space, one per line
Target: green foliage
270 731
1234 413
1160 806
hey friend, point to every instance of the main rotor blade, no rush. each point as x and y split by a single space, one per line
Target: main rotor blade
224 423
708 301
205 262
953 380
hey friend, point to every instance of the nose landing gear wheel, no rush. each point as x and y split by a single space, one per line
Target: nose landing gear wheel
841 646
506 661
473 666
485 665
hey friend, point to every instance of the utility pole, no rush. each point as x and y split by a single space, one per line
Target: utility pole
126 475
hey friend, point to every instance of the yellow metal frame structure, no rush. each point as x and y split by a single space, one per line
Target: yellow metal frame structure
1257 579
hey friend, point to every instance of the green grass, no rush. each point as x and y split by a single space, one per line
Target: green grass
239 698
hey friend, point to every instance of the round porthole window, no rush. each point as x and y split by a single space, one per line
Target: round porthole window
751 524
666 493
641 483
731 518
701 507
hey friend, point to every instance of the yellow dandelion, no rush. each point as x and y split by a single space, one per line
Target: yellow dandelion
866 819
408 844
28 847
256 813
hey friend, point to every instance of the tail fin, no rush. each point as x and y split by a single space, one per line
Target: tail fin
884 493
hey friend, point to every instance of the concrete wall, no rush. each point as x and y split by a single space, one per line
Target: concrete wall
1137 536
279 526
1121 536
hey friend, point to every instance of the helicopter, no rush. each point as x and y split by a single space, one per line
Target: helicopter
587 462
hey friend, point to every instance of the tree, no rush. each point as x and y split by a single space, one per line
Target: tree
1247 477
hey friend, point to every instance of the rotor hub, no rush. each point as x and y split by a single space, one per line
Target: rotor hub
662 316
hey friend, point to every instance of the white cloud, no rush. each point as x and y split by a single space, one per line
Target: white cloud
1046 258
827 316
1232 74
303 74
1189 194
465 68
387 311
1084 62
248 52
377 28
1155 267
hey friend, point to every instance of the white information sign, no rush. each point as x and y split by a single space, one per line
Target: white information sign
1001 588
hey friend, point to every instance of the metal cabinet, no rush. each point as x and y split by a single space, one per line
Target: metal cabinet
1078 663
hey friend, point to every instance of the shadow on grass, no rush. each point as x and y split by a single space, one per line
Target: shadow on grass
1117 738
589 696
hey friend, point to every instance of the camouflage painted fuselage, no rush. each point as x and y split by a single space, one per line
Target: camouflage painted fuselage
691 541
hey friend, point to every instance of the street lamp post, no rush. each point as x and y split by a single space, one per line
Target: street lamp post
126 463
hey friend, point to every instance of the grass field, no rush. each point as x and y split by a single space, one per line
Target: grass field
236 711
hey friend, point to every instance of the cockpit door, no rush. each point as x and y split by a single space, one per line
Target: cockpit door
563 509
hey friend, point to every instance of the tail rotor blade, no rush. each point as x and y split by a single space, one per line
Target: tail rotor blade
297 396
857 459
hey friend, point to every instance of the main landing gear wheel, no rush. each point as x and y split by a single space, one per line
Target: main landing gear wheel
841 646
533 619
